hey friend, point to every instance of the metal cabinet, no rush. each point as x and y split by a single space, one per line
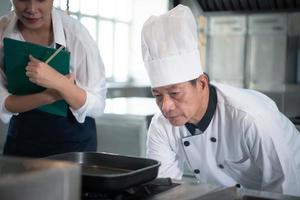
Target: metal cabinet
266 60
294 37
35 179
123 127
3 132
226 49
122 134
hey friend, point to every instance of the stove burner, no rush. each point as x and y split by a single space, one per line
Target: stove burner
139 192
95 196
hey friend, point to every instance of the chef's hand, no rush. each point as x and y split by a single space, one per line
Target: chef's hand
43 75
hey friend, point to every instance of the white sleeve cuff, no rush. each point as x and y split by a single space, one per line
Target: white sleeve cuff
5 115
81 112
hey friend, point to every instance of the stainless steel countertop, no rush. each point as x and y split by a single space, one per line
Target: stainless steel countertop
185 191
191 191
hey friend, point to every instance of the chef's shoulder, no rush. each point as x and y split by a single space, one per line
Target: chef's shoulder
161 128
160 123
246 101
159 120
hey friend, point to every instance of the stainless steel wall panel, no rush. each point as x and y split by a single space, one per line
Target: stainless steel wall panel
226 49
291 103
3 132
267 52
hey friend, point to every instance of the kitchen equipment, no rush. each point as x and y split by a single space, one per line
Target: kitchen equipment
294 37
234 193
219 4
226 49
245 5
267 56
211 4
36 179
143 191
291 4
272 48
228 5
296 122
236 4
111 172
264 4
273 4
254 5
3 131
204 4
127 134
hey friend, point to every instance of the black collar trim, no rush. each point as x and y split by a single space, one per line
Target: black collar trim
211 108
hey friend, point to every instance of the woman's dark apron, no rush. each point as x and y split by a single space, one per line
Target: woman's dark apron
39 134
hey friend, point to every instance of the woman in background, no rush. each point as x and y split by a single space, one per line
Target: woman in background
31 132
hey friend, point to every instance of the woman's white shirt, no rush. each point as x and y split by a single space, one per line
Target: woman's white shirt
86 64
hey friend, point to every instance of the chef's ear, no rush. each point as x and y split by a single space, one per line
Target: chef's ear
203 81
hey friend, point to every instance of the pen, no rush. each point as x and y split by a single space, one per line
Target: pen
54 54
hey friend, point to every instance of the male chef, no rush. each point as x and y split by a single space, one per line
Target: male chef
226 135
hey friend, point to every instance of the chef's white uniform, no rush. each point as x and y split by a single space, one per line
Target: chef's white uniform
248 142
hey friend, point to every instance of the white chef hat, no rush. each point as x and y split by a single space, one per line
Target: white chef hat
170 47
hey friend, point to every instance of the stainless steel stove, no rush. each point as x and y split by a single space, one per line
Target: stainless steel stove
143 191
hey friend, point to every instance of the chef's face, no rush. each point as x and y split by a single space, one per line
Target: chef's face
183 102
33 14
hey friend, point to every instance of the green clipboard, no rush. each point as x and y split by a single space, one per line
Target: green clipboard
16 57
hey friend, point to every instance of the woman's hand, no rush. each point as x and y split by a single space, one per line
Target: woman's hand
52 95
43 75
70 78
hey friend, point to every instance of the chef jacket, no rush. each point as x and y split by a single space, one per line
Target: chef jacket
85 63
247 142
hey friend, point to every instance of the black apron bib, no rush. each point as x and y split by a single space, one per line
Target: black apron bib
39 134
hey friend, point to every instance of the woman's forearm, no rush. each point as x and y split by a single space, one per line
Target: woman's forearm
72 94
43 75
23 103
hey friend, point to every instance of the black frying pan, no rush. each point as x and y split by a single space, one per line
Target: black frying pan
103 172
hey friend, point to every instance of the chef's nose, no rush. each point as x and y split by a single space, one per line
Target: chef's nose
167 104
